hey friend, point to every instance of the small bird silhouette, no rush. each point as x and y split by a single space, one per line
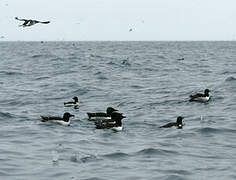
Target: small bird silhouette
30 22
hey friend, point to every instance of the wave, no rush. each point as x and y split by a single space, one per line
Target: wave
41 78
95 56
228 72
111 63
175 177
178 171
210 130
102 78
37 56
11 73
84 159
161 57
6 115
165 102
121 64
100 75
94 178
56 59
230 78
116 155
153 151
81 91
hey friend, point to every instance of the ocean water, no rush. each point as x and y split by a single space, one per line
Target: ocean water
146 82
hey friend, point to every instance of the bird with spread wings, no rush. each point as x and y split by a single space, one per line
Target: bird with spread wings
30 22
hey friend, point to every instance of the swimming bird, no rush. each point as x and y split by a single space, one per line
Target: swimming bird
201 97
180 59
178 123
30 22
101 115
65 120
72 103
113 123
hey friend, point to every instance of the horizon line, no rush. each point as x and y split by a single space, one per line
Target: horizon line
117 40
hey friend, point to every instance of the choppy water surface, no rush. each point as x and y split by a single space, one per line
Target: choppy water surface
146 82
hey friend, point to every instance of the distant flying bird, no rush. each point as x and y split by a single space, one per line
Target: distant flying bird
30 22
130 29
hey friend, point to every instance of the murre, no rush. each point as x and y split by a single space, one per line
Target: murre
72 103
102 115
178 123
65 120
201 97
114 123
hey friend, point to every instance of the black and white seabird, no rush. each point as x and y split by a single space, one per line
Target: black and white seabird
178 123
65 120
201 97
113 123
30 22
72 103
101 115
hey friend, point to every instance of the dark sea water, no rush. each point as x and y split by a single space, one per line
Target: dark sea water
146 82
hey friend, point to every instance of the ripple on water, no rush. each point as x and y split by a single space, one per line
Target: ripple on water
7 115
158 152
37 56
230 78
212 131
175 177
116 155
11 73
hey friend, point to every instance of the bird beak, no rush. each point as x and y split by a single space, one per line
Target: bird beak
72 115
115 110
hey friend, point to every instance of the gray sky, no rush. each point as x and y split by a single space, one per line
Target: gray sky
112 19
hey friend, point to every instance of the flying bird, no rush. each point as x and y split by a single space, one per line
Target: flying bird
30 22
